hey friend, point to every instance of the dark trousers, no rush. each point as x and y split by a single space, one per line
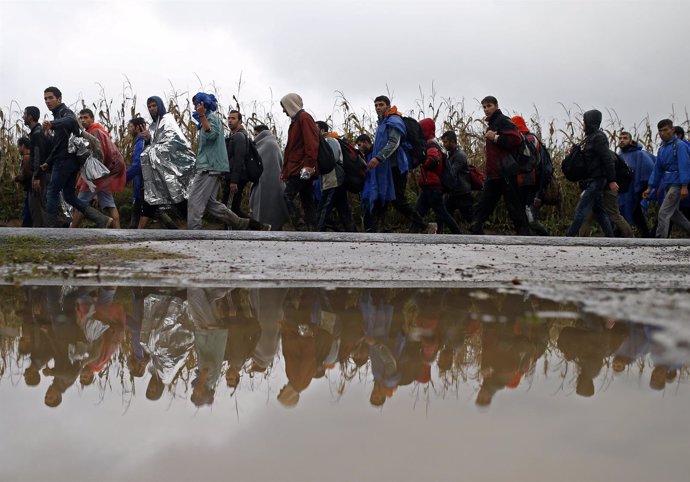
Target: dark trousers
236 204
492 192
27 221
302 187
591 201
63 180
372 215
458 202
432 199
400 203
335 198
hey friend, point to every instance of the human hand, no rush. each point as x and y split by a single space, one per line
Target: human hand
36 184
44 166
373 163
233 188
613 186
490 135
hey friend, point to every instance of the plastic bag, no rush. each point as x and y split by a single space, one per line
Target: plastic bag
93 169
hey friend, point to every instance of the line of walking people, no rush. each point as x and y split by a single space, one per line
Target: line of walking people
320 168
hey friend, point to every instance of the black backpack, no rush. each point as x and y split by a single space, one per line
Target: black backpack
624 175
253 164
325 159
527 157
574 166
355 167
416 141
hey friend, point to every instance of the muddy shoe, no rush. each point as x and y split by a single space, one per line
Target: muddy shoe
265 227
431 228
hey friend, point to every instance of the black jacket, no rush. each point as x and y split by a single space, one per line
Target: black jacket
595 148
40 148
64 124
461 171
236 145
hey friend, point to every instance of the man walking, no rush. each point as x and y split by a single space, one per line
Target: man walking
672 170
388 167
266 199
460 198
105 186
236 144
502 141
300 162
641 163
601 174
65 165
39 153
211 164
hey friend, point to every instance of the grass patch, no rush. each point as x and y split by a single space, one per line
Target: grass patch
113 256
30 249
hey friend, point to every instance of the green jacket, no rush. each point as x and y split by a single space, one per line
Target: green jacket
212 154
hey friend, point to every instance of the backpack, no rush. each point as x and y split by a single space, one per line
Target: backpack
476 178
574 166
551 194
325 158
624 175
449 181
415 138
253 164
527 157
355 167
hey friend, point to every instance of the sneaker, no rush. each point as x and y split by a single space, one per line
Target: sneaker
265 227
431 228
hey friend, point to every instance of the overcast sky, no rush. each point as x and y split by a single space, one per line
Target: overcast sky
627 56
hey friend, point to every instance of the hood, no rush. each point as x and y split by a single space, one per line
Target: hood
262 135
592 120
428 128
292 103
161 107
519 122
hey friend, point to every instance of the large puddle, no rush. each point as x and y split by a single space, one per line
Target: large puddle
310 384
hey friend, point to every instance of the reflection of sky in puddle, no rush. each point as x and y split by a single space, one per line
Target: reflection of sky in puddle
382 384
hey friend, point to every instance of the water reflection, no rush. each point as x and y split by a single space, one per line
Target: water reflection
187 343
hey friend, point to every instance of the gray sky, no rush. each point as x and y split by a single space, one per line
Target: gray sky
626 56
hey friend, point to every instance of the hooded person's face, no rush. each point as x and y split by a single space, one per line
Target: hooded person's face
153 110
624 141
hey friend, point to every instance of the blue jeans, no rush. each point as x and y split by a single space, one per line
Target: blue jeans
63 180
591 200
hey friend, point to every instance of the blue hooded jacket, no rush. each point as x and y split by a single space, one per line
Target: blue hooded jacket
641 163
378 185
672 164
134 170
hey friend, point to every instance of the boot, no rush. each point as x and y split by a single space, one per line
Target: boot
97 217
165 220
255 225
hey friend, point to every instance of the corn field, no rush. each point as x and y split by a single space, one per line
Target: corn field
349 121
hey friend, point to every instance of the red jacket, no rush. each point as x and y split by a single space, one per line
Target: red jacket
432 167
302 147
508 141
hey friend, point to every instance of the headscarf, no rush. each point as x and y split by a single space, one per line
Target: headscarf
209 101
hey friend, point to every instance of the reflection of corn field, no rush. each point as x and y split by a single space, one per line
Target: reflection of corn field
348 120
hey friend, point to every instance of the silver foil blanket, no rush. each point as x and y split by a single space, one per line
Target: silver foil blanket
167 164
